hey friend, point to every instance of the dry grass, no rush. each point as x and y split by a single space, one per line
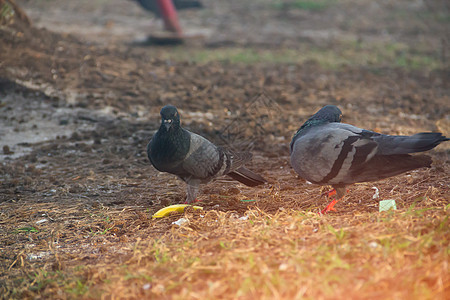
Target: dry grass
274 248
292 255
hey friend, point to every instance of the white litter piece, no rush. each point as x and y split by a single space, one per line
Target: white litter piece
39 255
377 193
243 218
373 245
181 221
41 221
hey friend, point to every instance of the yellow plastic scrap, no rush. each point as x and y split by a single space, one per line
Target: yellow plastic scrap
167 210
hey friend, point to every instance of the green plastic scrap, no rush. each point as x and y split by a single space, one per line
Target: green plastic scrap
387 205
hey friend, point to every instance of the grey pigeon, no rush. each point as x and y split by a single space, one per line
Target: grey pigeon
193 158
327 152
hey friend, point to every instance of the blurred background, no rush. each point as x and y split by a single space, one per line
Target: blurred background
405 33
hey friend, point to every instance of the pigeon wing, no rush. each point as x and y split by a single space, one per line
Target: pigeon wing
384 166
204 161
325 154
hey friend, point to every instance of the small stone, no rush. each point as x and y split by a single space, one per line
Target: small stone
7 150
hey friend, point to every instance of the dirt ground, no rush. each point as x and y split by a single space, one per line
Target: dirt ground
80 94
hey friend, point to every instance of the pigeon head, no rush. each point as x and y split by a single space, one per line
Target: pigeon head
328 113
170 118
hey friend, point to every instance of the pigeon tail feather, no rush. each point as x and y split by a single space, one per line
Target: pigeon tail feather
247 177
237 159
410 144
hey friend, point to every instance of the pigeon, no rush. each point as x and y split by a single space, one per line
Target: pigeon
194 159
327 152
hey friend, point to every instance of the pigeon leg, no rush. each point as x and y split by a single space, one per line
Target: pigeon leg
337 193
330 193
330 207
191 193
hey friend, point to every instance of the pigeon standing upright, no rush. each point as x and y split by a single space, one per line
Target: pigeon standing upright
327 152
193 158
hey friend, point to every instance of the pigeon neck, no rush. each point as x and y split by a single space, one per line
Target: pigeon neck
309 123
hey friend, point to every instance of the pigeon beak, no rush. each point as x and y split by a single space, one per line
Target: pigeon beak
167 124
